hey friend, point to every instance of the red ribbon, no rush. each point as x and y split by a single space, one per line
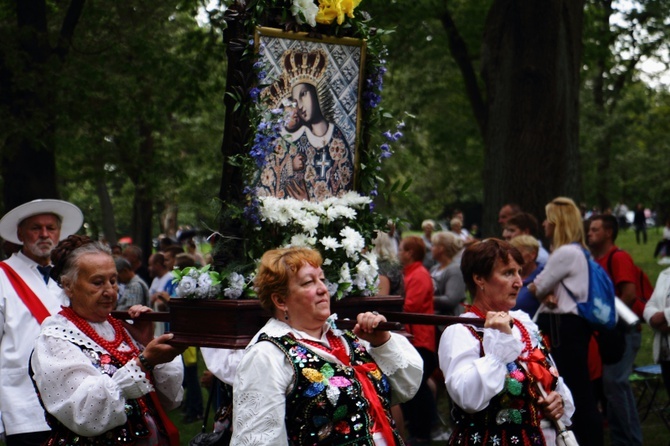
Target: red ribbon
535 363
369 392
27 295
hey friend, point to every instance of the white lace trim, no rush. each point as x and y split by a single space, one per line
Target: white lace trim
60 327
391 356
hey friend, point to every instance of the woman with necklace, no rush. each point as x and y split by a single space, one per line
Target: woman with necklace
303 381
492 375
100 380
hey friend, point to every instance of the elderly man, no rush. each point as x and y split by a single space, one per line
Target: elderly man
27 296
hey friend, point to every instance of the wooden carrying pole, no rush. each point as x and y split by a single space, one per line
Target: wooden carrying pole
396 319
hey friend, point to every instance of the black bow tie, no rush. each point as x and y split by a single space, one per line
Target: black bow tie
45 271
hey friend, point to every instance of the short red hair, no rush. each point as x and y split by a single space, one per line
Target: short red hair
416 246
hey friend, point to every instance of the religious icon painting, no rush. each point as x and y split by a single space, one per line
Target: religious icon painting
309 131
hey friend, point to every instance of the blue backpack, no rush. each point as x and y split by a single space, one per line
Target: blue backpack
599 307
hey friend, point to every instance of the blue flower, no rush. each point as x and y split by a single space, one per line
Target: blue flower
254 92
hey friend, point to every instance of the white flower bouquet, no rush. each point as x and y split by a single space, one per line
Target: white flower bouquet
336 228
204 283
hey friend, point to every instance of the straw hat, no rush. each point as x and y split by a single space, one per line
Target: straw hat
70 215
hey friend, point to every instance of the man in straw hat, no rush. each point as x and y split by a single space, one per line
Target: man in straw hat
27 296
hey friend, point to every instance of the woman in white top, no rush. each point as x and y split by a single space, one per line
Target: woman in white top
493 374
99 378
303 381
569 333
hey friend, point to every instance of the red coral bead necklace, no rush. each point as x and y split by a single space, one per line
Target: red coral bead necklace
120 335
525 336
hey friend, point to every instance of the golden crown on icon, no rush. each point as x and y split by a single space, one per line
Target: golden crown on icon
300 67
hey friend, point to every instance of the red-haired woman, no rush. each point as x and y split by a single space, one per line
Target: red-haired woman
421 410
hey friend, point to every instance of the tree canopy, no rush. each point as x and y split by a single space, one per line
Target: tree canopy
120 108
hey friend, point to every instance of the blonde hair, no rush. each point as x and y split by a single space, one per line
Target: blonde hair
427 222
451 243
567 220
526 243
276 268
384 246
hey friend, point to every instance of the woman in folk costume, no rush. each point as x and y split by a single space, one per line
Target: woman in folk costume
493 374
103 381
304 382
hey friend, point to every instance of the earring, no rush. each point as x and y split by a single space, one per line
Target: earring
285 314
482 287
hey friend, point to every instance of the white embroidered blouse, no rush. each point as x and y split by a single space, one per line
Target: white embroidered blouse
85 400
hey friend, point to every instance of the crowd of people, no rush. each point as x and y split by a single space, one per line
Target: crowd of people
527 365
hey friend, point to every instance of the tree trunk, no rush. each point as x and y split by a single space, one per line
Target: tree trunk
106 208
230 247
28 160
143 199
169 218
531 66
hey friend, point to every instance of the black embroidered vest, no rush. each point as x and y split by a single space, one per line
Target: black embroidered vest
326 405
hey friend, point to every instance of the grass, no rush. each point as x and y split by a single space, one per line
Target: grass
654 430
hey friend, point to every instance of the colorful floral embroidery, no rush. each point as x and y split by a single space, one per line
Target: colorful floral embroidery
299 354
324 379
342 427
103 361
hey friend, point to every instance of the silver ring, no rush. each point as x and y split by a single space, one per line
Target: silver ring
375 313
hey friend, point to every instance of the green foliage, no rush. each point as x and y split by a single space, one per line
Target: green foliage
442 152
144 110
616 105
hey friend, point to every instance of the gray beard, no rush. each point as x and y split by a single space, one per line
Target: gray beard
38 253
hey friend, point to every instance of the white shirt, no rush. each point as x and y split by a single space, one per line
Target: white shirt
222 362
568 265
659 301
20 409
158 284
265 377
85 400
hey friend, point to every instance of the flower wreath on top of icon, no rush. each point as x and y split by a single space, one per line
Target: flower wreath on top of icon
340 227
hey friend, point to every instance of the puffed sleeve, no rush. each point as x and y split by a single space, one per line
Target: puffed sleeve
657 301
568 402
168 379
85 400
222 362
402 364
472 380
259 397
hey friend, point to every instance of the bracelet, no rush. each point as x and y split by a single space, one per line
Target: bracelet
145 363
